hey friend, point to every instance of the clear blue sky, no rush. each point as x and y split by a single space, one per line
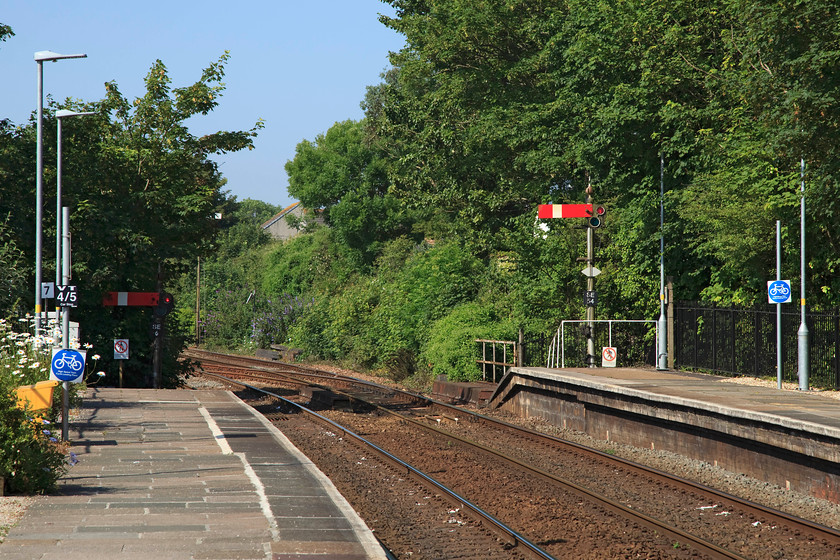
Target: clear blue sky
301 66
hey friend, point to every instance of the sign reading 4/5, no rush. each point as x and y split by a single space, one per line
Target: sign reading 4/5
66 296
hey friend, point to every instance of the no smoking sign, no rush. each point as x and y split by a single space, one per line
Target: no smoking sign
121 349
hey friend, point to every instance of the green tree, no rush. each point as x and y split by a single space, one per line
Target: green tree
239 228
346 176
5 32
143 195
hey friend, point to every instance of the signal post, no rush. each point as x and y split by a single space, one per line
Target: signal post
594 218
161 303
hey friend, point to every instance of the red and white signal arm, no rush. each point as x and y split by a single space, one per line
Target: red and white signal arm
120 348
609 356
549 211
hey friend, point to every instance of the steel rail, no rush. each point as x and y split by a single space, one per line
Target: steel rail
511 536
776 516
710 549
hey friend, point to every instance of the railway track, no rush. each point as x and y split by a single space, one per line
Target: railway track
561 480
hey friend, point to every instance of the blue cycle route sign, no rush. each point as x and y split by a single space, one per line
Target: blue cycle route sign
68 364
778 291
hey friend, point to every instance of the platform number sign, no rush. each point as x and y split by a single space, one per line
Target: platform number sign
66 296
47 290
68 364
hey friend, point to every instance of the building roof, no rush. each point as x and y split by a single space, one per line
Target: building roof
279 215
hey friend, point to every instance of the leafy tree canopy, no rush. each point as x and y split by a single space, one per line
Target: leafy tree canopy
142 191
346 175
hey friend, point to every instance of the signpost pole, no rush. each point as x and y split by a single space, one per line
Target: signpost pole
779 305
662 341
121 354
65 320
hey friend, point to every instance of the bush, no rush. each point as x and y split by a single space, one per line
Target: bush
31 457
451 349
430 283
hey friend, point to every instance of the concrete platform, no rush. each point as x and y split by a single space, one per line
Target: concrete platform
184 474
789 438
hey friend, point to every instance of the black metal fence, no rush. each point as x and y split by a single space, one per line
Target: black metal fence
742 341
535 350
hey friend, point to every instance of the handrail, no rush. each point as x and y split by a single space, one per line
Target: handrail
559 340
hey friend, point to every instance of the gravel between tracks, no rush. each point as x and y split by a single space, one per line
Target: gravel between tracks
770 495
820 511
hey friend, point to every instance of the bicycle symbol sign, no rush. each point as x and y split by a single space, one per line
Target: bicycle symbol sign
778 291
68 364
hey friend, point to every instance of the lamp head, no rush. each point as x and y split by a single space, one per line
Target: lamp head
65 113
41 56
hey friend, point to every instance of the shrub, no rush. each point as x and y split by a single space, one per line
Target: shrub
451 349
431 283
31 457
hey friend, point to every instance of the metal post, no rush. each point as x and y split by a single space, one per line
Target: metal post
58 216
662 341
669 301
198 302
590 285
65 321
39 195
779 305
803 328
158 344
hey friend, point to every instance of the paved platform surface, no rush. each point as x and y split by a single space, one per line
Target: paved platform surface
805 410
182 474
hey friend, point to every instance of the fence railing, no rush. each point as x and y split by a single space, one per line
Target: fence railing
635 339
634 342
503 354
727 340
499 355
742 341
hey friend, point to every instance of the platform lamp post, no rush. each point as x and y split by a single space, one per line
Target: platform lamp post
40 58
802 334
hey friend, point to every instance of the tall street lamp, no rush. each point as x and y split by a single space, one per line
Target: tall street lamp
40 57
